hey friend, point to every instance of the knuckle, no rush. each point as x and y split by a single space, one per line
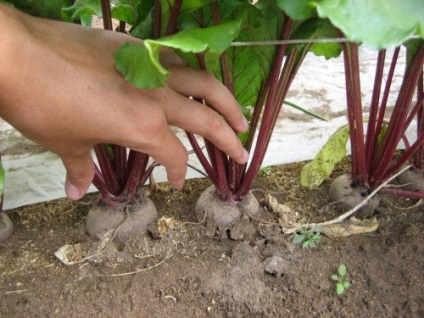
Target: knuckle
215 123
210 83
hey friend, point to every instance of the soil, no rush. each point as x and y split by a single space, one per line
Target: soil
182 272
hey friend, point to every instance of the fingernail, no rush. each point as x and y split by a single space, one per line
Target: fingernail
245 155
72 192
244 123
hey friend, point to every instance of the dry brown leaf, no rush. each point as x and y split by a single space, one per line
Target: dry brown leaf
349 227
165 224
284 212
70 254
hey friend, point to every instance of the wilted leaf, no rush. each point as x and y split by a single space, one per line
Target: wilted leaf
350 227
70 254
165 224
321 167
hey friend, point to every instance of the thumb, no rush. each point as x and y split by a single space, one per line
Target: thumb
79 175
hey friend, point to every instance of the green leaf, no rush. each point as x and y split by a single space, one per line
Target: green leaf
342 270
382 133
315 28
307 112
41 8
346 285
243 136
297 9
334 277
298 239
143 27
124 13
110 150
251 65
83 8
194 4
412 47
7 3
140 66
377 23
340 288
248 65
321 167
140 63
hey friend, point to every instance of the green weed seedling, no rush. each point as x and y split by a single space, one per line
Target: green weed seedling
308 238
264 171
341 284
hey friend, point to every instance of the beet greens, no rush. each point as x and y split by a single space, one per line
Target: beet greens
258 76
389 23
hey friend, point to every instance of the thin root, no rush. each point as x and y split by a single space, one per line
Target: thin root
103 249
196 223
351 211
140 270
417 204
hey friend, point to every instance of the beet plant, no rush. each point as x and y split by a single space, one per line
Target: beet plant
228 39
379 25
120 172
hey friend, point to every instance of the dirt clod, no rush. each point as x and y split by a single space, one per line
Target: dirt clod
275 265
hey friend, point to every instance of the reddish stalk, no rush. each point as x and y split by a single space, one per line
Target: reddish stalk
267 119
157 20
386 92
372 162
172 23
119 178
107 16
395 128
105 164
372 135
419 155
403 193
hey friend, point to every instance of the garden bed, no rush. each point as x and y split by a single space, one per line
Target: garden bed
184 273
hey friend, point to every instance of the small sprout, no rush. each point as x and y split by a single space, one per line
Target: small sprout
308 238
265 171
341 284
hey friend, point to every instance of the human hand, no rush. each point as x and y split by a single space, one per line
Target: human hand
59 87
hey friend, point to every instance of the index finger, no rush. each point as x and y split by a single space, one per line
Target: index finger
201 84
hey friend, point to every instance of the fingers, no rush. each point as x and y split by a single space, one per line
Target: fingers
190 82
167 150
79 175
202 120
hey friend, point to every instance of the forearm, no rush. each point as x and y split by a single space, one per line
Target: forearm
10 29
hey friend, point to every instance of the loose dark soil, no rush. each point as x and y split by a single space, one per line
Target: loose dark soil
184 273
